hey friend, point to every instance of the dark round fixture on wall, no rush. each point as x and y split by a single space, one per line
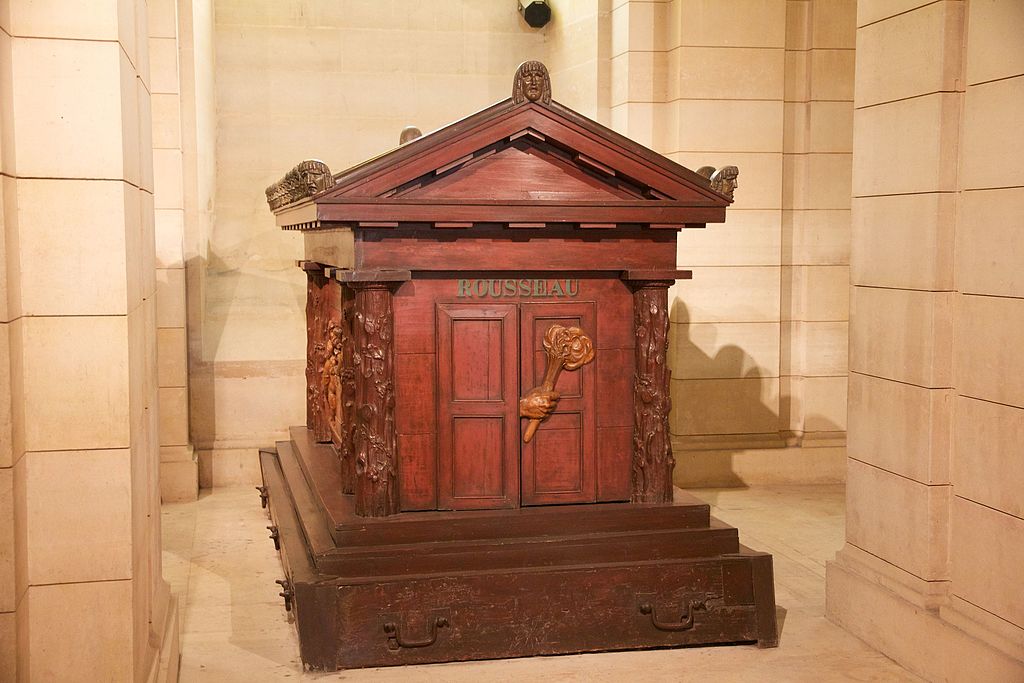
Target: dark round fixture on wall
536 12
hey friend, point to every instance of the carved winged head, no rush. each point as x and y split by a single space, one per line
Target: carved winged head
532 83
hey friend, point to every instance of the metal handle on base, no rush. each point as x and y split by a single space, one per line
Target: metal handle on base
684 625
288 593
396 641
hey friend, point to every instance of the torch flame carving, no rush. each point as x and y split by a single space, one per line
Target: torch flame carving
568 348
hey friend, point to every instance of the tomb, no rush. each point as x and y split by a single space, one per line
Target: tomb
486 468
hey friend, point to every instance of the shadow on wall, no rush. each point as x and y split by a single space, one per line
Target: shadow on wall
246 365
725 423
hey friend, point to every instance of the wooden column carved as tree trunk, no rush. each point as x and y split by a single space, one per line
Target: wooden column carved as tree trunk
318 333
652 446
343 440
373 362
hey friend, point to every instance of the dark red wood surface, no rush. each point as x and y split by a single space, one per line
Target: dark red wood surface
509 583
417 377
519 250
375 441
559 465
478 406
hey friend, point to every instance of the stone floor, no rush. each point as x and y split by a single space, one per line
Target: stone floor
222 566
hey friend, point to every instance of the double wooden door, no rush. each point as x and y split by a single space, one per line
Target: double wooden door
488 356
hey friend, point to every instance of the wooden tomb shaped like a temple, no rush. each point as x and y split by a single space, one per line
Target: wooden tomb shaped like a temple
485 469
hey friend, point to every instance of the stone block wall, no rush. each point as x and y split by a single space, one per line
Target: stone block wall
934 524
80 573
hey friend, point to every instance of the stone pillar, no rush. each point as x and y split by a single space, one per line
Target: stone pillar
729 72
179 468
636 86
373 362
930 573
817 139
652 444
81 591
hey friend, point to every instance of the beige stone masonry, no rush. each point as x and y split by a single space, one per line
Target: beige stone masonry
872 11
988 255
61 134
94 544
987 362
993 46
707 22
8 591
90 357
94 624
819 236
729 126
724 350
728 294
816 181
750 237
994 585
740 464
898 155
904 523
896 67
819 293
77 228
760 179
824 406
911 635
753 406
902 428
935 399
990 111
6 396
902 335
904 241
752 73
992 433
229 467
814 349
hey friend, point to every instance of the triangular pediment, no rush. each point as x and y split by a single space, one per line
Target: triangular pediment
529 163
524 151
521 170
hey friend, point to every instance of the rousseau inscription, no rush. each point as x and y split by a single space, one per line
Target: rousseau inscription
523 287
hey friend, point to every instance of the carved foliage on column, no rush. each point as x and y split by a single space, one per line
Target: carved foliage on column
323 352
373 359
327 360
330 381
346 409
652 445
316 333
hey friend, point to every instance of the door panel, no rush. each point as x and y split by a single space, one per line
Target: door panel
478 457
478 406
478 376
558 458
558 465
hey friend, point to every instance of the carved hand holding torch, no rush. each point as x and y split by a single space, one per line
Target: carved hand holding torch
566 347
